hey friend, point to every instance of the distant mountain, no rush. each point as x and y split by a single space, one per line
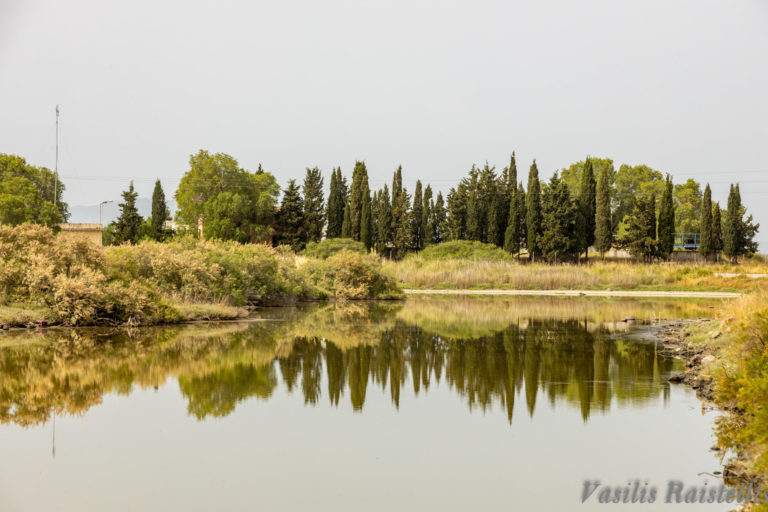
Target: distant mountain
90 213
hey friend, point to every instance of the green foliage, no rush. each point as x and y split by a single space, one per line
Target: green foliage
290 219
245 212
640 239
688 207
559 217
314 205
586 206
633 182
346 226
28 193
351 275
326 248
384 238
128 228
417 221
357 198
667 220
366 219
706 238
337 198
457 212
160 214
603 223
533 213
717 228
463 249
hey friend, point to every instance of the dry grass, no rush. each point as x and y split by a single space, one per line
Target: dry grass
18 316
466 274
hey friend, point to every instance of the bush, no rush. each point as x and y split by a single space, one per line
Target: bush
351 275
462 249
330 246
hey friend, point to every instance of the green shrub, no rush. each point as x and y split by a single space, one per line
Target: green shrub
463 249
330 246
351 275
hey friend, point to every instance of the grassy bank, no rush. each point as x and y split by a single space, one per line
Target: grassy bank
73 282
463 267
738 372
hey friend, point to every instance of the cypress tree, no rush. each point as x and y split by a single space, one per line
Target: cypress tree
346 228
732 226
402 229
522 215
159 213
427 206
437 220
717 229
366 219
667 220
512 231
533 213
128 225
384 223
417 211
603 230
705 238
474 215
640 238
587 204
335 208
359 183
290 218
314 204
456 228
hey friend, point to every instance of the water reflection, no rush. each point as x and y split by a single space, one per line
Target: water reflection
491 353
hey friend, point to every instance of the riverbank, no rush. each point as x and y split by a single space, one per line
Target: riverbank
581 293
726 363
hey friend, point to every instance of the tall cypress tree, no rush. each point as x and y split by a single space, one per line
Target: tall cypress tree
128 225
359 183
159 213
427 205
335 209
587 204
314 204
437 220
456 228
384 223
558 240
366 218
512 233
717 228
603 229
705 240
522 215
401 229
417 211
732 226
640 238
346 223
290 218
533 213
667 220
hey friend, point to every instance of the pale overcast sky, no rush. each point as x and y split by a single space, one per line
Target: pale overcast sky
679 85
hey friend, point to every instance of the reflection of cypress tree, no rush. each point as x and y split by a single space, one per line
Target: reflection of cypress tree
602 355
334 363
358 360
289 369
311 371
531 366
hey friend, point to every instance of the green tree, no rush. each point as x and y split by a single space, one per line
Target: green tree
426 216
356 199
732 227
290 219
253 197
559 215
384 223
401 224
717 228
366 218
572 176
30 194
688 207
457 212
640 238
587 204
336 202
533 213
633 182
314 204
667 220
128 225
603 225
437 221
705 224
417 222
346 224
160 214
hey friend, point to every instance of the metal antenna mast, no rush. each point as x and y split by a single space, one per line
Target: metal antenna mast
56 168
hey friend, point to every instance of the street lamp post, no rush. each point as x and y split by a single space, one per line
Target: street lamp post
101 212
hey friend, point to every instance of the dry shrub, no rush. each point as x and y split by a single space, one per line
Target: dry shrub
351 275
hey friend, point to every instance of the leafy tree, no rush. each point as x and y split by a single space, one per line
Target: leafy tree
640 238
533 213
558 240
128 225
572 175
417 222
667 220
160 214
290 219
705 225
587 204
688 207
631 183
253 195
738 233
384 223
401 224
314 204
603 225
457 212
29 194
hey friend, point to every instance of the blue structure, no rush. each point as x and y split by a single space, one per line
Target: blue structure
687 241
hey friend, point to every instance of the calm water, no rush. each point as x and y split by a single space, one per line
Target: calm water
435 404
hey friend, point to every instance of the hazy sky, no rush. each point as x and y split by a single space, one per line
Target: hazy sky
435 86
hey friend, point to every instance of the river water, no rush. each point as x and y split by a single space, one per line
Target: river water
432 404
